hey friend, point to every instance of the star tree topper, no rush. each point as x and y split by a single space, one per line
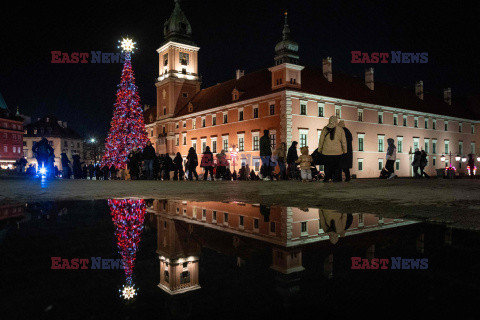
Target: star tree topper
127 45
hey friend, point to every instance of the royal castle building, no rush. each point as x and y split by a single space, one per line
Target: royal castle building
294 102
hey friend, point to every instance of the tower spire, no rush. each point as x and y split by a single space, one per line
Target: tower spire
286 28
286 51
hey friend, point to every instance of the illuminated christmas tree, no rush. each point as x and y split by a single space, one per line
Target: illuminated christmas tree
127 129
128 216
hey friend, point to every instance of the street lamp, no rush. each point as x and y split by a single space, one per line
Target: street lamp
464 159
457 157
93 141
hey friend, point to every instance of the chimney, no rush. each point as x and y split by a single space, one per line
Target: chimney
447 95
369 78
327 68
239 73
419 89
64 124
60 123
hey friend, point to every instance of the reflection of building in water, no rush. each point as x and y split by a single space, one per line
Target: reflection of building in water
10 215
229 226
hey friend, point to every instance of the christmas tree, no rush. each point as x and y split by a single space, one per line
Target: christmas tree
128 216
127 129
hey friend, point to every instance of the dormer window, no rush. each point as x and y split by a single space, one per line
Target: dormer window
235 95
293 81
190 107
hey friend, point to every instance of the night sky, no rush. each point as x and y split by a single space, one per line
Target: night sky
232 35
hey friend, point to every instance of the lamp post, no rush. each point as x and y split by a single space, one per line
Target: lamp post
450 170
233 154
93 141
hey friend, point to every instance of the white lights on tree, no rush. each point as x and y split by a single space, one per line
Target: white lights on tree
128 292
127 45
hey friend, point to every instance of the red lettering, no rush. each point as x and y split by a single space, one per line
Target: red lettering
74 264
365 264
355 263
384 263
84 263
75 57
65 57
374 263
55 56
55 263
84 56
365 58
356 56
374 57
65 264
384 56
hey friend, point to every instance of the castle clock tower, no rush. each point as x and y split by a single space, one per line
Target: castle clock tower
178 80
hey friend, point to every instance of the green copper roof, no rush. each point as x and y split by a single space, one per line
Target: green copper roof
177 28
3 105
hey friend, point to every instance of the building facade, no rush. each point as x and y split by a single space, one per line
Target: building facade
11 138
60 137
294 103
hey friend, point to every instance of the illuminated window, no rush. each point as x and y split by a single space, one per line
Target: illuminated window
360 115
395 120
321 109
400 144
361 137
272 109
381 142
380 117
255 113
360 164
303 109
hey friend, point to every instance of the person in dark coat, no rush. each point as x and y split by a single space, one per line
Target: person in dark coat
234 175
167 167
91 170
178 167
65 165
77 166
156 168
346 161
84 171
43 152
113 172
148 158
292 156
423 164
161 163
417 160
105 171
192 163
98 172
133 164
266 155
207 163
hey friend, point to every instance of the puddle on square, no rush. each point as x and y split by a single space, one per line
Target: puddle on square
174 259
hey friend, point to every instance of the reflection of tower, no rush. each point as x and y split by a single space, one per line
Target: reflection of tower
288 264
179 255
128 216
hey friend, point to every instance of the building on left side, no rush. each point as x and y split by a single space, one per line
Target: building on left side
60 137
11 127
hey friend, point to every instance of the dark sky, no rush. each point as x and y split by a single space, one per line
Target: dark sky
231 34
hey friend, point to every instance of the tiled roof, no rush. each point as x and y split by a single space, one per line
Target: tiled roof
51 128
346 87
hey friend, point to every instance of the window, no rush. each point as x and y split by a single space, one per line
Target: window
165 59
361 137
241 221
184 57
303 109
225 117
194 145
427 144
256 142
257 164
360 114
381 140
177 140
404 121
400 144
434 161
460 147
240 115
241 142
272 227
204 214
194 123
338 112
164 110
185 94
214 145
321 109
395 119
204 145
225 142
272 109
225 217
184 124
293 80
434 124
151 132
255 223
380 164
460 127
380 117
415 122
5 149
434 146
360 164
447 144
273 140
446 125
166 276
472 147
303 137
426 123
214 216
163 130
255 113
185 277
184 139
24 143
472 126
416 143
304 228
397 164
203 122
214 120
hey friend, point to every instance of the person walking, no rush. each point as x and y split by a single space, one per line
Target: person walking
207 163
192 163
178 167
167 166
133 164
98 172
471 165
346 162
417 160
43 152
77 166
423 164
292 156
305 161
65 165
222 164
332 145
391 157
266 155
148 158
91 170
280 155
